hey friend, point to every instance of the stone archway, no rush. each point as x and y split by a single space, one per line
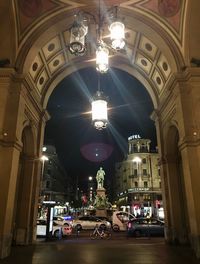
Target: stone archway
158 54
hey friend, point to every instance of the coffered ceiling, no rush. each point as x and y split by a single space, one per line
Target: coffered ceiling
144 20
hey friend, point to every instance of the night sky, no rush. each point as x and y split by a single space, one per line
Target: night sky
81 148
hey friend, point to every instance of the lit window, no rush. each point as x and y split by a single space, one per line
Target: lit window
144 172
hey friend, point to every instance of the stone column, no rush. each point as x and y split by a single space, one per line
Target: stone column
22 123
190 152
10 147
180 111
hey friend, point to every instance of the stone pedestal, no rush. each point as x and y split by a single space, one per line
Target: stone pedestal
101 192
101 212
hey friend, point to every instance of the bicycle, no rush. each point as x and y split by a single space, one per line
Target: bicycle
100 233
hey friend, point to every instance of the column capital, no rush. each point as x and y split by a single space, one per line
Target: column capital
188 74
7 74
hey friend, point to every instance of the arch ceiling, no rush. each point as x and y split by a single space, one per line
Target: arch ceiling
155 38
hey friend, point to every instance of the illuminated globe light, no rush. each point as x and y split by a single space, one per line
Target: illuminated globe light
117 35
137 160
102 59
99 112
44 158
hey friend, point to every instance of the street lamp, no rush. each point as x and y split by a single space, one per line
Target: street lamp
90 187
43 159
90 178
137 160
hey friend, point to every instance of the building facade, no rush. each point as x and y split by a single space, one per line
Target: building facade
138 180
55 184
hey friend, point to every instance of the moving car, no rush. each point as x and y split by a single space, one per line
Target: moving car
145 227
57 230
90 222
120 220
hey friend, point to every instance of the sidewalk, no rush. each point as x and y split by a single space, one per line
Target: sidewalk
83 250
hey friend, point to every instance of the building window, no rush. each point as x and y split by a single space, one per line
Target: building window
135 172
144 172
144 161
159 172
47 184
147 197
136 184
160 185
49 171
145 184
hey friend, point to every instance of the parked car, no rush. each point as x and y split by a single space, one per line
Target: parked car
90 222
145 227
104 218
61 220
120 220
57 230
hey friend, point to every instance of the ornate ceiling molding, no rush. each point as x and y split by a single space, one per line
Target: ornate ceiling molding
30 15
168 14
141 53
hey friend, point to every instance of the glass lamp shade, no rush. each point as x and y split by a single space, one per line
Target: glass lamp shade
99 113
117 35
102 59
77 38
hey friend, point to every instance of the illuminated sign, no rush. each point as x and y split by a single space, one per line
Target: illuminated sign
138 190
134 137
49 202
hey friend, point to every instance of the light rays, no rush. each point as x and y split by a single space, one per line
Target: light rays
121 142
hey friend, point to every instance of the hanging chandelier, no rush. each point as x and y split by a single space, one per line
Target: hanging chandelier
79 32
99 109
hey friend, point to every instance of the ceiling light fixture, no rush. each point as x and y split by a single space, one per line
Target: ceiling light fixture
79 32
99 109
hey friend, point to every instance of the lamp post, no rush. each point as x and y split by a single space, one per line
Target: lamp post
137 160
90 188
152 187
40 207
43 159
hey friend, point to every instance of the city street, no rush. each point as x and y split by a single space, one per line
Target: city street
118 250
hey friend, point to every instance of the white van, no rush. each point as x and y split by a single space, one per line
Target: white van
120 220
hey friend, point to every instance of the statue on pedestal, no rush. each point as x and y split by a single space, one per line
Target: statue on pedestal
100 178
101 202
